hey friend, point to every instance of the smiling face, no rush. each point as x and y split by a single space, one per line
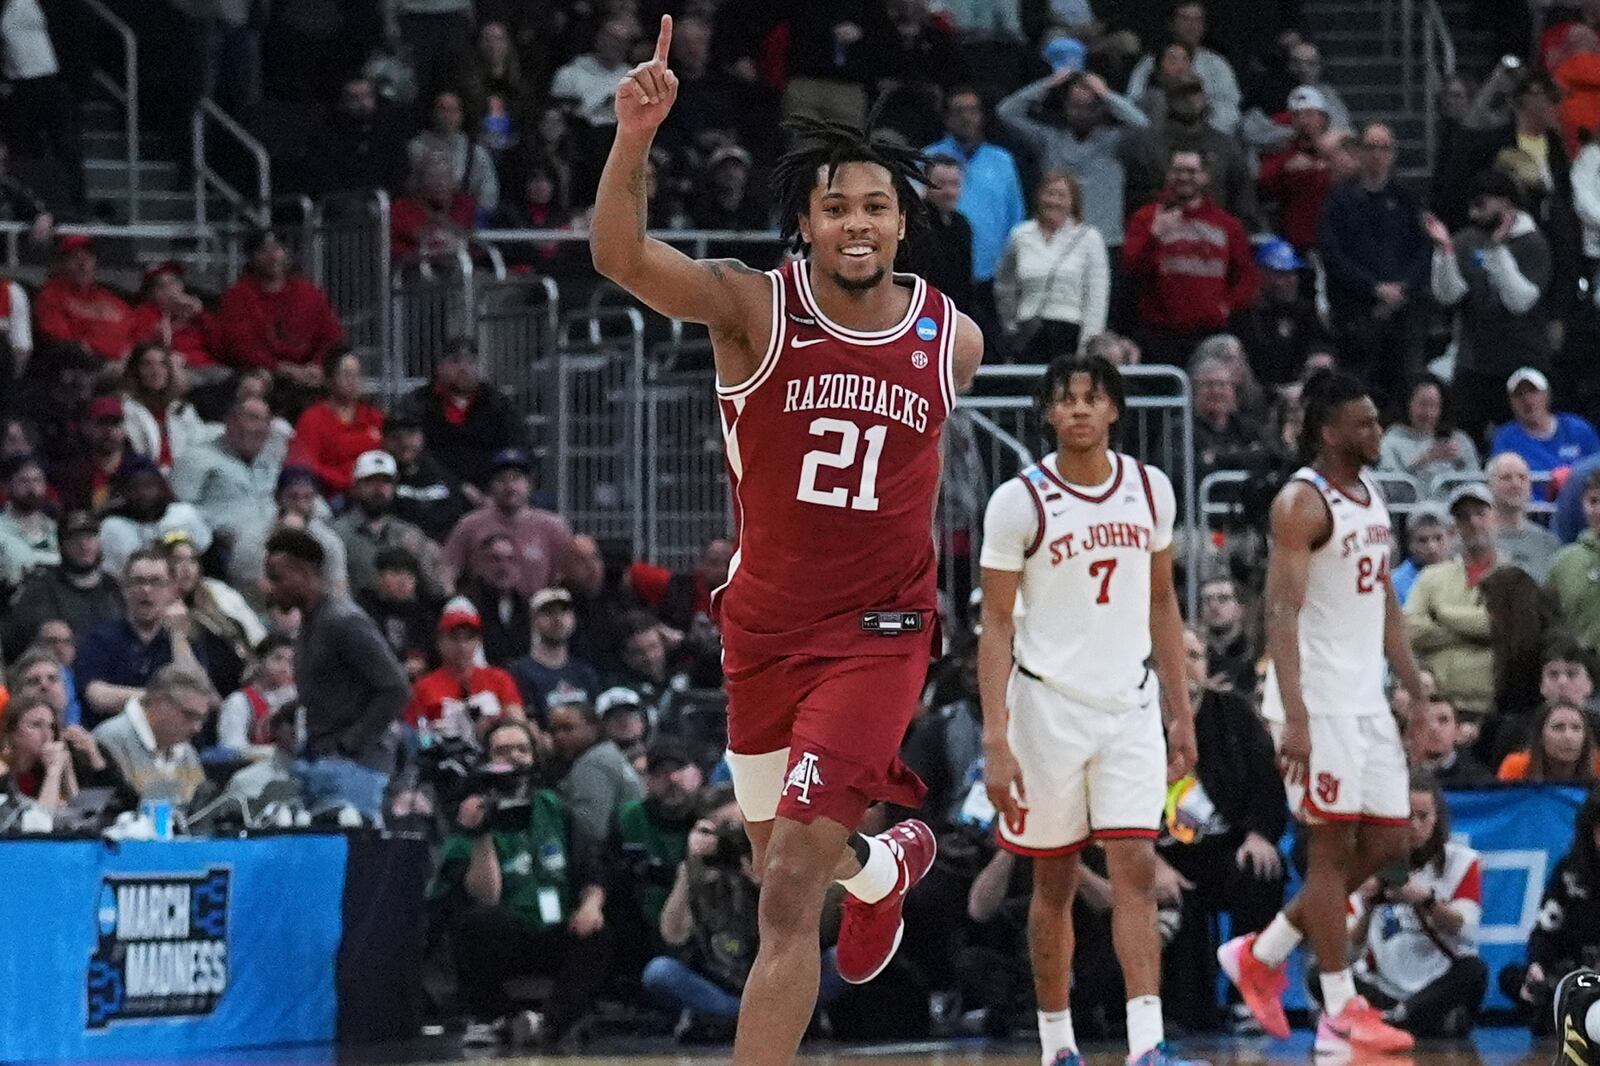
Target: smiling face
854 225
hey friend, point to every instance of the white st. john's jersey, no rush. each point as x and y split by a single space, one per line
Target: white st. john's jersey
1341 624
1083 604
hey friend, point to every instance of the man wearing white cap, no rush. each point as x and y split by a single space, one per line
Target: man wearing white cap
1297 178
550 664
369 525
1547 439
463 694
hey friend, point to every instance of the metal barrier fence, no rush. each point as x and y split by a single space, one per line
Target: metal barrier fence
1156 428
686 480
598 443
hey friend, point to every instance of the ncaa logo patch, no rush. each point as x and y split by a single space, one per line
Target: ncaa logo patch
927 328
919 358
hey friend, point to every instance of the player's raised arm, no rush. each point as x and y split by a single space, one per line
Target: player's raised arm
723 294
1299 521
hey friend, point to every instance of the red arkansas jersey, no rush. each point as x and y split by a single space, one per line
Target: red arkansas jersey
833 455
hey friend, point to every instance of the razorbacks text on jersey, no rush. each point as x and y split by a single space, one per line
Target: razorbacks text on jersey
833 456
1341 622
1083 604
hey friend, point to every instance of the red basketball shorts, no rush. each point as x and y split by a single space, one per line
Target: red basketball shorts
812 737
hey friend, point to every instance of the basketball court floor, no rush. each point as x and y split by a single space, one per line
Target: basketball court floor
1491 1047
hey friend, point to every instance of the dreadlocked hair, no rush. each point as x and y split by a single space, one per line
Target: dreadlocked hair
1324 393
817 144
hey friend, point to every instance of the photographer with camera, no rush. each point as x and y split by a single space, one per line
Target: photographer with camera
710 917
530 898
649 840
1416 927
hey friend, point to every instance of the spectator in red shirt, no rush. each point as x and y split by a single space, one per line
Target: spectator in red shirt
435 219
278 320
1190 263
174 318
677 597
463 691
74 308
334 432
1297 178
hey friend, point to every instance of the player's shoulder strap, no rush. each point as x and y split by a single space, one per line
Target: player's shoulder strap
1149 494
1040 489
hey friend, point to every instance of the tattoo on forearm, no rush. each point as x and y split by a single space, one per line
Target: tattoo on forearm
640 201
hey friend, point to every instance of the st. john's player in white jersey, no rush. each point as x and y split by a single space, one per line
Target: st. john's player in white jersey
1332 619
1077 593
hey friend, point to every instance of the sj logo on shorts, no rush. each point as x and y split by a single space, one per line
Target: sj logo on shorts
1327 789
803 777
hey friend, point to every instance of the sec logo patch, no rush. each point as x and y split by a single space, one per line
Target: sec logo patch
919 358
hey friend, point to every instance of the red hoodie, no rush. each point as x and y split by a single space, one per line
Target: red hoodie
327 444
292 325
1195 278
94 316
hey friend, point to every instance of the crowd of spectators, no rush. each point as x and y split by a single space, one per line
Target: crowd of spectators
226 572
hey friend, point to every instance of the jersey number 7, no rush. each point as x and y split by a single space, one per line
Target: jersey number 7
1103 569
843 458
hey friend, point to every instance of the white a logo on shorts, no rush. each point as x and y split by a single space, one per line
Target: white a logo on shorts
802 777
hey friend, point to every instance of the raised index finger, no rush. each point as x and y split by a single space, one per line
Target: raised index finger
664 39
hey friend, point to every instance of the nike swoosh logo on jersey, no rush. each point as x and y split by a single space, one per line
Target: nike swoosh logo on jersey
796 342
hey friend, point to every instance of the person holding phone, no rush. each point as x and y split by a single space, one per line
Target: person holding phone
1494 271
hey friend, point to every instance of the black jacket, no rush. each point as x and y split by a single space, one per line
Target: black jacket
1567 933
503 642
1237 765
465 447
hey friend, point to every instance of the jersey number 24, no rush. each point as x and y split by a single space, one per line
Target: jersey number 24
1371 574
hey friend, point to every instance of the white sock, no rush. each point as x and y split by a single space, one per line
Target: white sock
879 876
1338 989
1277 941
1593 1023
1055 1035
1144 1025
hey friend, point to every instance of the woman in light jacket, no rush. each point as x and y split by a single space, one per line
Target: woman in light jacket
1053 282
156 419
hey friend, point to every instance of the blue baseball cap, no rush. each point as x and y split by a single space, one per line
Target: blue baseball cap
1065 53
1278 254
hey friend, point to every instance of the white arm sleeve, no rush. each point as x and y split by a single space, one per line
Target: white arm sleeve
1166 508
1010 526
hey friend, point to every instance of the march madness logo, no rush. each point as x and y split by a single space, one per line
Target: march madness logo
162 949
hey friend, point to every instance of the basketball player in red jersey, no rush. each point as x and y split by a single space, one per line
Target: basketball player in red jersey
835 376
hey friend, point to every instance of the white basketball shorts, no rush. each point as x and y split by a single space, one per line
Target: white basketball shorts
1087 773
1358 771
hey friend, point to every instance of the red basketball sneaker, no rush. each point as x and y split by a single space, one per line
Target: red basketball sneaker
1260 985
870 933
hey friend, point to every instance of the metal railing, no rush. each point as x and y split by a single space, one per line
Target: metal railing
208 240
207 180
1427 54
125 93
